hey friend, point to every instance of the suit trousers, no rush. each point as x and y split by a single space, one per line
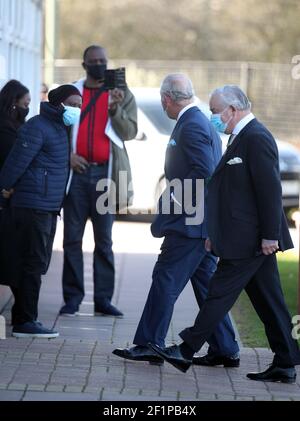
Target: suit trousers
80 204
181 259
260 278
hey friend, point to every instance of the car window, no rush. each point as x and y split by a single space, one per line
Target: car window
153 110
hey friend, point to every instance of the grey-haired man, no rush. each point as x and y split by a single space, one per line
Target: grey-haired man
193 152
246 227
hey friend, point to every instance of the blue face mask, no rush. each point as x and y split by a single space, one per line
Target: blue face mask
217 122
71 115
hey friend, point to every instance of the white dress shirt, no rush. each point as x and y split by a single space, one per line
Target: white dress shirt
243 123
187 107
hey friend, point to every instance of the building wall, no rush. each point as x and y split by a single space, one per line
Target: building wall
21 44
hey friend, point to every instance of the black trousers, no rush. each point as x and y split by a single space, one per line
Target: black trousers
260 278
34 242
8 254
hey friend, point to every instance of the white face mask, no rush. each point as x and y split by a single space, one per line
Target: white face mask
71 115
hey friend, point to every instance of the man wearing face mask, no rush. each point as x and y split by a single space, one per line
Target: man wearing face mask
37 169
192 154
94 157
246 227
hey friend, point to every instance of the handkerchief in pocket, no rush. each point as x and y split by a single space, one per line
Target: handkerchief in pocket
234 161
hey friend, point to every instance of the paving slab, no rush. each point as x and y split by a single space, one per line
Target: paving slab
79 364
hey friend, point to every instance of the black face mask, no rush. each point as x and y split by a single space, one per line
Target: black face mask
96 71
22 112
19 114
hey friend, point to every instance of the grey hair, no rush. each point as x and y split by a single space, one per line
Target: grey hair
233 95
178 87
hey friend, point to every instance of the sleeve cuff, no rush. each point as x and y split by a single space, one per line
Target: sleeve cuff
117 113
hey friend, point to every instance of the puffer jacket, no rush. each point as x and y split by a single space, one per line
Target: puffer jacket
38 165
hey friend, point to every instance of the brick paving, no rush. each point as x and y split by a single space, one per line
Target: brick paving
79 365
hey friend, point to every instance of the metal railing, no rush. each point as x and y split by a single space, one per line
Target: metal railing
271 88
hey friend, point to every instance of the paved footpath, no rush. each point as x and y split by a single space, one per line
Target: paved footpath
79 365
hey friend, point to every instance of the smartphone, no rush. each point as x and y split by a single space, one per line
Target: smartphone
115 78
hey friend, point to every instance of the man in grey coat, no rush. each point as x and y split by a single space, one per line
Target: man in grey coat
108 118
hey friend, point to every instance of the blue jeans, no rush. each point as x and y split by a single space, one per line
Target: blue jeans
80 205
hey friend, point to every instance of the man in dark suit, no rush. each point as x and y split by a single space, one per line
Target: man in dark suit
246 226
192 154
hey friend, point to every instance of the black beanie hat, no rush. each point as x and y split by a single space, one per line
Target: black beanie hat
60 94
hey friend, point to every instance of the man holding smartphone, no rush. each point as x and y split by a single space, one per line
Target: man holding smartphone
94 157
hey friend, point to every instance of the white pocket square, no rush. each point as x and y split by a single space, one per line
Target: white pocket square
235 161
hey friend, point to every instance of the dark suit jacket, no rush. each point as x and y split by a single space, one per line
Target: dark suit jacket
193 152
245 199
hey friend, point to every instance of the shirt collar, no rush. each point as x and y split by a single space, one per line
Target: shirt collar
243 123
187 107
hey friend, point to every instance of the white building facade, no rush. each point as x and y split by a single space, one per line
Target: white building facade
21 40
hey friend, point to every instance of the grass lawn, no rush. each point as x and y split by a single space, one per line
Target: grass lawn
250 328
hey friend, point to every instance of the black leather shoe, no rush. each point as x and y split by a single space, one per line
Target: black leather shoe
172 355
105 308
275 374
139 353
213 360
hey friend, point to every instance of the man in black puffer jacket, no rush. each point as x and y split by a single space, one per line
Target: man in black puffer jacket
37 169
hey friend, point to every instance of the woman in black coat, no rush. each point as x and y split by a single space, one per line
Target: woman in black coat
14 107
